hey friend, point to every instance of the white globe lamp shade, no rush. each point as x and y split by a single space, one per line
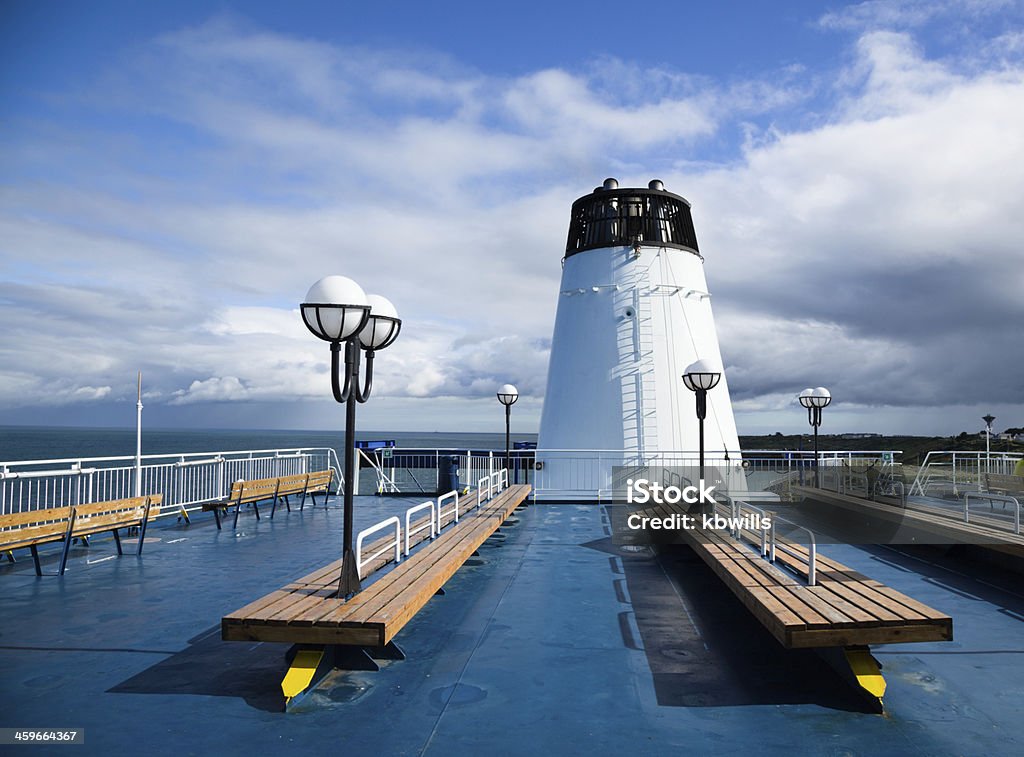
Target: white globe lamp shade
805 397
335 308
702 374
507 394
820 397
383 325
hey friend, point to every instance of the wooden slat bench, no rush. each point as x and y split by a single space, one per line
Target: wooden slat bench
261 489
942 523
35 527
843 609
307 612
1010 486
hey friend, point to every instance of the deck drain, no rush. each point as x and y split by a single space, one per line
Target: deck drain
675 653
459 694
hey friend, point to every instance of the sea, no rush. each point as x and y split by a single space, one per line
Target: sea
19 443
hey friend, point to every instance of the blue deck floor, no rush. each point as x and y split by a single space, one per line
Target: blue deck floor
552 641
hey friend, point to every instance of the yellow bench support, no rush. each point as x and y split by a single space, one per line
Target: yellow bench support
867 671
302 673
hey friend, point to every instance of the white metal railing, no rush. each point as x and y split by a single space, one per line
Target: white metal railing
952 472
185 480
583 474
437 512
385 482
483 485
433 525
779 544
769 541
441 512
1006 499
384 524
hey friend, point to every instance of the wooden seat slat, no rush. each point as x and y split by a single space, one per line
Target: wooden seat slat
844 608
32 528
375 597
308 612
421 572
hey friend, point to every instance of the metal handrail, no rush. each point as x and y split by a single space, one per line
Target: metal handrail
454 494
187 480
480 499
812 550
997 498
770 543
386 523
433 525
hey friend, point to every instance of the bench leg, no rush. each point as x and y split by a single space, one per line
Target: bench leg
142 529
273 508
216 516
117 541
35 558
302 504
287 504
256 509
389 651
64 556
238 509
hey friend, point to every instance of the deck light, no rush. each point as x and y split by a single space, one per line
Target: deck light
338 311
700 377
814 400
988 441
507 396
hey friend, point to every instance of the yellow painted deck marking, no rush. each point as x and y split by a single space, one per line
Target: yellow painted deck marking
301 672
865 668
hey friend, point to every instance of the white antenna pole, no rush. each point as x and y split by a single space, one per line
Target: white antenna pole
138 441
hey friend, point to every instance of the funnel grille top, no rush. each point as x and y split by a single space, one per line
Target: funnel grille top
619 217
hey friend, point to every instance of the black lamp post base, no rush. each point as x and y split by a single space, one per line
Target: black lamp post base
349 584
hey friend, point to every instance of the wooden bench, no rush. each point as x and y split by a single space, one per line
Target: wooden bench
319 482
307 611
1010 486
280 487
843 609
34 527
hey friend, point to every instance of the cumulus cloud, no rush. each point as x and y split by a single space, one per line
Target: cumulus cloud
870 243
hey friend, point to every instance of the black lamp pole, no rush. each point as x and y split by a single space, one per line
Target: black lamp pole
702 413
815 400
507 396
371 324
699 378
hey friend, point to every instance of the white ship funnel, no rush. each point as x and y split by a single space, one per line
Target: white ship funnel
633 312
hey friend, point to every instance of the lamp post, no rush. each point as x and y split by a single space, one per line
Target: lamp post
338 311
988 441
700 377
814 400
507 396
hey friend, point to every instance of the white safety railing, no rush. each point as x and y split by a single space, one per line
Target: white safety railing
433 525
811 557
483 485
186 481
580 474
384 524
1006 499
441 512
769 542
950 473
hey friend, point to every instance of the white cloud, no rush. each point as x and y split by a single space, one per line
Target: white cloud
872 245
875 14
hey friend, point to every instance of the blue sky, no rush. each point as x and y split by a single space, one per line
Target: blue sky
173 177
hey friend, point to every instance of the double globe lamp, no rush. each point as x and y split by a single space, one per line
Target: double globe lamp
339 312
